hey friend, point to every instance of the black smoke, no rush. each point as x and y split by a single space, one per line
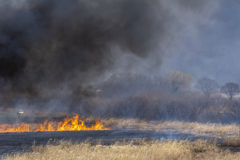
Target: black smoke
51 44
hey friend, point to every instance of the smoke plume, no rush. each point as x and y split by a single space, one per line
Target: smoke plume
50 45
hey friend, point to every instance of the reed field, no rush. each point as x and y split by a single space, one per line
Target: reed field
140 149
134 150
213 129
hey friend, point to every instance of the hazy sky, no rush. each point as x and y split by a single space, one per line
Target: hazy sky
214 51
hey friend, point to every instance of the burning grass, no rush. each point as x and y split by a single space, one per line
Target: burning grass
141 149
132 150
69 124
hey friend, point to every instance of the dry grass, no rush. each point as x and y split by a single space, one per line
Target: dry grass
143 150
231 142
213 129
140 150
202 129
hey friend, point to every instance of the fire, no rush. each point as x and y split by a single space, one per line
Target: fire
69 124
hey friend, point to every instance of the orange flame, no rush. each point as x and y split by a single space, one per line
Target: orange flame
69 124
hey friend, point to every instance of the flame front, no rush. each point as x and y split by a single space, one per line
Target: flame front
69 124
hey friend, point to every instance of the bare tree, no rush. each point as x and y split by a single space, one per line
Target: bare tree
179 80
207 86
230 89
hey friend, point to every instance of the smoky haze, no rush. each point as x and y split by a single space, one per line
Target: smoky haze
47 46
212 50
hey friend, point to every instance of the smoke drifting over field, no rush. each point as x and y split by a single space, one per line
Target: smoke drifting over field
54 41
213 51
47 46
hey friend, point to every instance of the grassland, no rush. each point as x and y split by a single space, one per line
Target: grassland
206 129
169 150
134 150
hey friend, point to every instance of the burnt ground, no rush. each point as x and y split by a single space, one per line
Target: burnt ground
11 142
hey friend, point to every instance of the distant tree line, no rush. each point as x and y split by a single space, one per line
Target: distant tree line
170 97
124 84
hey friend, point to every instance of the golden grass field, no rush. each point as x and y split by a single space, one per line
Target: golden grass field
138 150
212 129
143 150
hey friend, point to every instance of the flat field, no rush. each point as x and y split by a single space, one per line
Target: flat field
227 148
217 130
133 150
